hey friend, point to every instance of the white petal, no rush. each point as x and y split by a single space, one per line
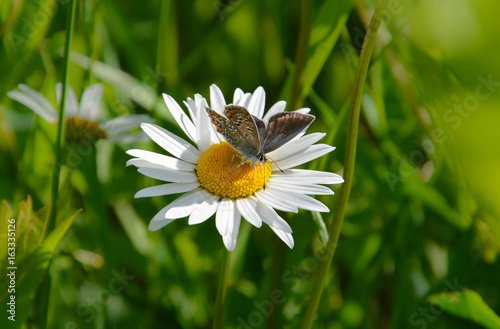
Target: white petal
257 103
269 198
228 221
89 105
230 239
298 200
217 101
311 153
295 146
247 207
301 188
71 107
162 160
244 100
203 124
205 210
223 219
191 106
271 218
171 143
125 123
159 220
238 93
182 119
276 108
169 175
36 102
166 189
185 204
139 163
298 176
285 236
304 110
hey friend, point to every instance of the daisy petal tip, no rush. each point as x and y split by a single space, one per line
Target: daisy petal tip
229 242
24 87
155 225
139 195
130 152
287 238
167 98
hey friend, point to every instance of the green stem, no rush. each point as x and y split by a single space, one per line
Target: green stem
58 146
51 223
350 156
221 290
300 55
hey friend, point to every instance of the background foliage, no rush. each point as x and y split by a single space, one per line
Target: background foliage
419 246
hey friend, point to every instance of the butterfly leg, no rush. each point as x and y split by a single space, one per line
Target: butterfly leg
232 159
240 164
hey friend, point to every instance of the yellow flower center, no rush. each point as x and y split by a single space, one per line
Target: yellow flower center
219 171
78 129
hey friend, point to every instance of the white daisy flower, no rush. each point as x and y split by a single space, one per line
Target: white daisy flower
211 186
81 119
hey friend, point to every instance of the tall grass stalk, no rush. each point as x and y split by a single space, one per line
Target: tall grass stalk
51 223
350 156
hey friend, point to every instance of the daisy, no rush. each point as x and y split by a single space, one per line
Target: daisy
81 119
211 186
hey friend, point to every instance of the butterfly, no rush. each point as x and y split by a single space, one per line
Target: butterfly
251 137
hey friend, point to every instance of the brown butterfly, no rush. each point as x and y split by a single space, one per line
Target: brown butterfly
251 137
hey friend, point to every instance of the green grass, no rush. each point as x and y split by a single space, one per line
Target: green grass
420 239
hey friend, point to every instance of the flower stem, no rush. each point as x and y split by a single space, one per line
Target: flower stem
58 145
51 223
221 290
350 156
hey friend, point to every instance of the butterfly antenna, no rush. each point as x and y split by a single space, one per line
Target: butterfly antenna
276 164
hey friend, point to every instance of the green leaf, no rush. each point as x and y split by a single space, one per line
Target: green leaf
325 32
469 305
28 275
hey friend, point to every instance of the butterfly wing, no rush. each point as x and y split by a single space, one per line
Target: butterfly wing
261 127
224 127
248 129
282 127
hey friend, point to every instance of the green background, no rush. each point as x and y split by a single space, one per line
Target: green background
419 245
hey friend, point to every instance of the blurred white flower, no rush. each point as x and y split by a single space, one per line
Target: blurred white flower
82 120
